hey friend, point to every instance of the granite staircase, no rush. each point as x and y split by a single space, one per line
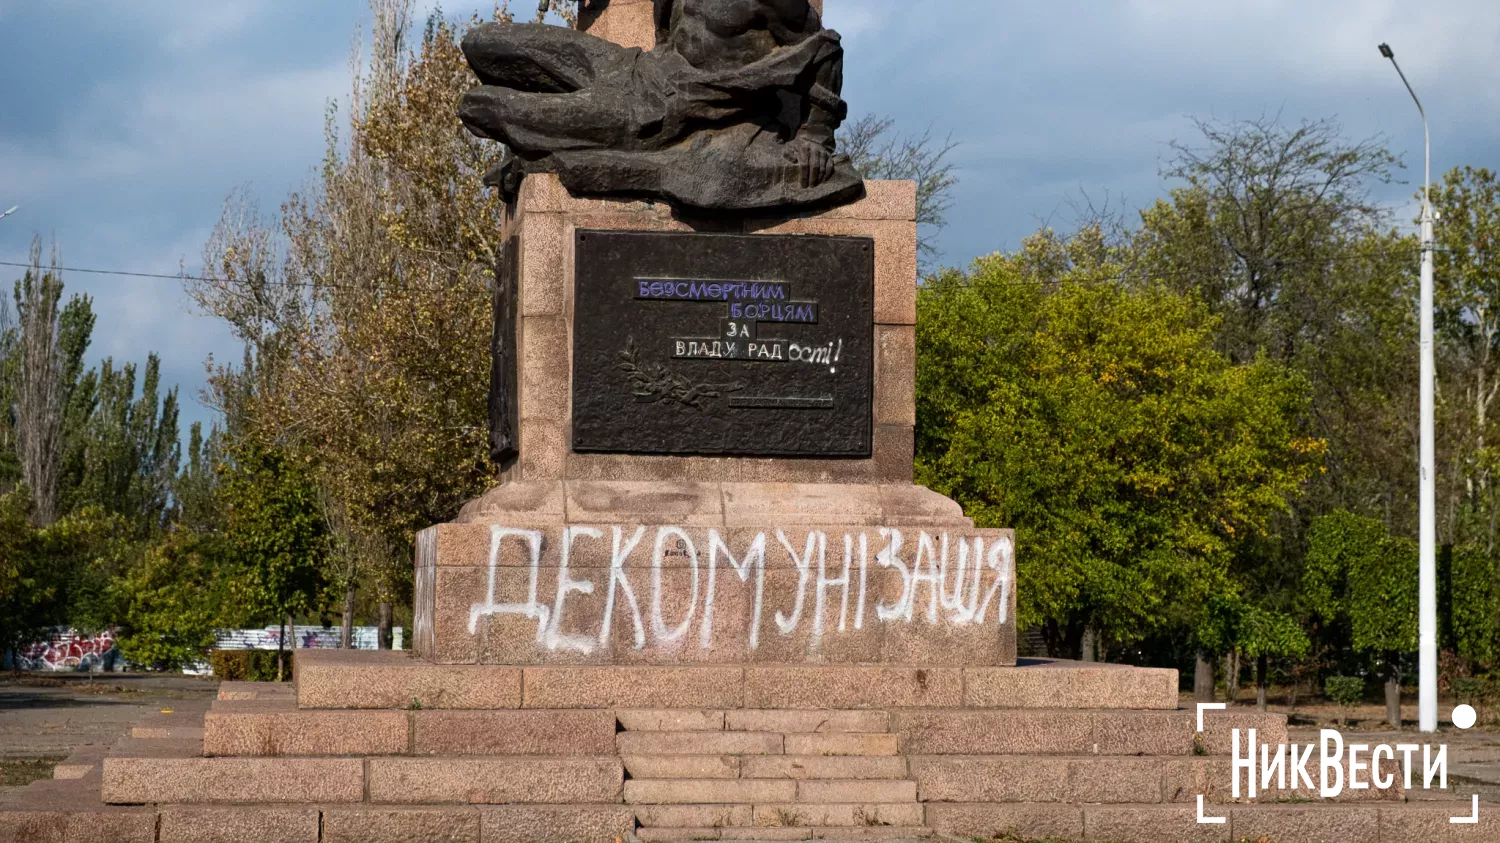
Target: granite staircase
384 748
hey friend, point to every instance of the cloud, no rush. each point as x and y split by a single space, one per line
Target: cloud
193 24
124 125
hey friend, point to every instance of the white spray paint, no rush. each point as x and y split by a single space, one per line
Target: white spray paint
962 579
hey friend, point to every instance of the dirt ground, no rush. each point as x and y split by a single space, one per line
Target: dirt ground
1473 754
45 716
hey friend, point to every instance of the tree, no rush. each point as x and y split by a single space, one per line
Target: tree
1364 579
1262 215
1474 604
878 153
275 534
10 467
1100 422
368 315
1230 624
30 589
172 600
39 391
128 450
195 489
1467 312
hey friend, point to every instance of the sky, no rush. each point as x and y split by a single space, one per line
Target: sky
123 126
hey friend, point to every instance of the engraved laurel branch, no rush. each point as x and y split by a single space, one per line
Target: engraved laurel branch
657 384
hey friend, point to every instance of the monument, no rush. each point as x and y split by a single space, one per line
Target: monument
703 379
705 601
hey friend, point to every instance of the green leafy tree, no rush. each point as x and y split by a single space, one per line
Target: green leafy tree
129 453
1474 602
1467 313
196 488
1231 624
1365 580
30 588
275 533
1102 424
1274 228
172 600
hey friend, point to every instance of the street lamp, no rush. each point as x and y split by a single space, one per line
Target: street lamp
11 210
1427 716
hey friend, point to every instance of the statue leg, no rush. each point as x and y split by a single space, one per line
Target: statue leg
535 124
538 58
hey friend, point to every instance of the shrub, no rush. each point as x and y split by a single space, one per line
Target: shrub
1481 692
248 665
230 665
1347 691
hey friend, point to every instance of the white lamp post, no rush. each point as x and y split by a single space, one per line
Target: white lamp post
1427 717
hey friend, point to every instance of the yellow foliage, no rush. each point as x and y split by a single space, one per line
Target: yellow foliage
368 313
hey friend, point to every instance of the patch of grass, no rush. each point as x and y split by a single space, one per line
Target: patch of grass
19 772
788 818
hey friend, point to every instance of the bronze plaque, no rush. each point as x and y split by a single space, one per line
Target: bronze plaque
726 344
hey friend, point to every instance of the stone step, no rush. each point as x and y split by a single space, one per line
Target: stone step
781 815
1096 779
527 732
69 811
1076 732
139 780
317 732
894 834
496 780
396 680
304 733
787 722
1413 822
255 705
806 722
767 791
380 780
874 767
699 743
255 690
81 762
843 743
864 767
185 732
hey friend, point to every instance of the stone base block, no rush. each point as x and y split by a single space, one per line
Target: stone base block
396 680
140 780
698 578
494 781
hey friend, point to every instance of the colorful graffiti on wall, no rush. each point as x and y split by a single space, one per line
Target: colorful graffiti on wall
65 649
303 638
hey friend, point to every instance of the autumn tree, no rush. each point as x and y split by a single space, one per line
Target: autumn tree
366 305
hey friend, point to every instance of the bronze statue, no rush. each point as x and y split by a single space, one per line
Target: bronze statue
734 110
